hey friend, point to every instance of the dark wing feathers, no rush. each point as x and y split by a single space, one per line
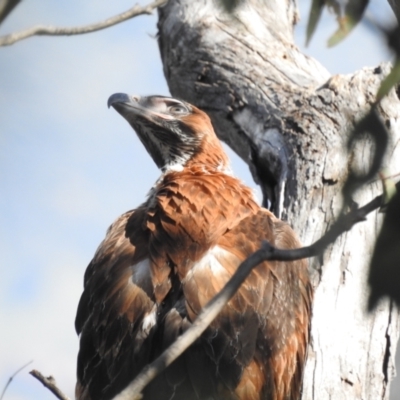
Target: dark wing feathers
110 314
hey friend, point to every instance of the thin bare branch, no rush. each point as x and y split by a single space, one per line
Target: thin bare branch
12 377
267 252
50 383
41 30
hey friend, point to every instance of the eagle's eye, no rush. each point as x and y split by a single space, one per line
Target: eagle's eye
178 109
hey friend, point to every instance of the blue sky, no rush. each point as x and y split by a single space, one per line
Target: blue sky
69 166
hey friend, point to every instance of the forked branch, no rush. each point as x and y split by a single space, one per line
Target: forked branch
41 30
50 383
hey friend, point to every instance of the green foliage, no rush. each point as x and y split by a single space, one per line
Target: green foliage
389 189
390 81
353 13
393 78
347 18
314 17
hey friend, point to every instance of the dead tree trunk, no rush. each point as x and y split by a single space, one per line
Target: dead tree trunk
289 120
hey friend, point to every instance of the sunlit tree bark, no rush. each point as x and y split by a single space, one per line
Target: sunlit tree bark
283 113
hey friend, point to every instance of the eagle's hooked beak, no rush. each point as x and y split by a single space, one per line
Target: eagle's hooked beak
132 106
121 98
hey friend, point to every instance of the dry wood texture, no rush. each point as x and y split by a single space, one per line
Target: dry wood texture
289 120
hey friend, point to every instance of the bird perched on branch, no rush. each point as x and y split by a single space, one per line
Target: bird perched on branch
161 263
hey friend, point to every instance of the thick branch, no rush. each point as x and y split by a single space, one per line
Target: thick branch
215 305
79 30
50 383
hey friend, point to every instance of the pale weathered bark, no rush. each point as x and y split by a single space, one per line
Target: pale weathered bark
289 120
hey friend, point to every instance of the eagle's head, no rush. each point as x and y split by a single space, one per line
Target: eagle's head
175 133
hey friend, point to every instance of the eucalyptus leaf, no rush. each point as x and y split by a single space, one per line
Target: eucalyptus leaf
389 189
390 81
314 17
353 13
